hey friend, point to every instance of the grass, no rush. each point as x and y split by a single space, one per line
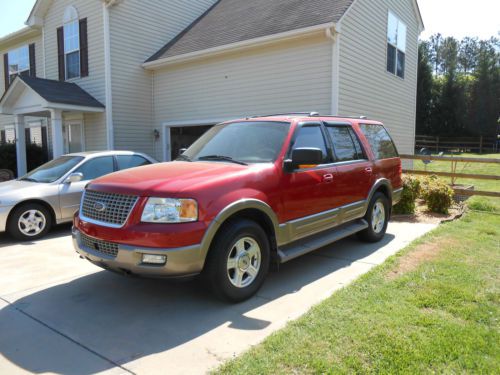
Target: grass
477 203
434 308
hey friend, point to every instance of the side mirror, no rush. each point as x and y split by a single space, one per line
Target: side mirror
73 177
304 156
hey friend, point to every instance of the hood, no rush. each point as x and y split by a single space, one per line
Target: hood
168 178
12 191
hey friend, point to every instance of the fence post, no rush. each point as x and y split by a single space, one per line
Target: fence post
437 145
481 145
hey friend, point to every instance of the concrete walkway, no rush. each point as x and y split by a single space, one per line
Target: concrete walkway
60 314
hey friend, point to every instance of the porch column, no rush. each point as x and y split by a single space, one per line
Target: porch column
20 145
57 133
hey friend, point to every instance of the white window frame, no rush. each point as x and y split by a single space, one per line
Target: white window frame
71 18
15 54
397 45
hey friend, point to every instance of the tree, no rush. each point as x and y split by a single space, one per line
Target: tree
424 90
435 51
467 54
449 56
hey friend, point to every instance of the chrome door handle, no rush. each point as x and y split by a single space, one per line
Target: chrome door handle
368 170
328 178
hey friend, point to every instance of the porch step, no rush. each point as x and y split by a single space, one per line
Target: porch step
306 245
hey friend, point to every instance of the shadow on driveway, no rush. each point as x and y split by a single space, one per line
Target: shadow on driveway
121 319
58 231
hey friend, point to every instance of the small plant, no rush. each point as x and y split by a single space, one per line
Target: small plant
411 191
437 194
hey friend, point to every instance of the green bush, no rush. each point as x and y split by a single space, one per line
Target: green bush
35 156
437 195
411 191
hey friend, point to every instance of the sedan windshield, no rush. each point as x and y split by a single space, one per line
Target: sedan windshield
242 143
53 170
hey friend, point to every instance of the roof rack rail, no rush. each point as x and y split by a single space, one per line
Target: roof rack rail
310 114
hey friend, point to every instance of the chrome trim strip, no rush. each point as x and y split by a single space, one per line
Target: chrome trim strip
101 223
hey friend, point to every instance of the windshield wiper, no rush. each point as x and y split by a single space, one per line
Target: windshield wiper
29 179
183 158
222 158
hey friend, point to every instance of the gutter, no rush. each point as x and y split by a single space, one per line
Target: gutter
110 135
262 41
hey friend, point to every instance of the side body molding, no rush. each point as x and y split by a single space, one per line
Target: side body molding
232 209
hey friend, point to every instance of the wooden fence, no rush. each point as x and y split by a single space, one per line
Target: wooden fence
457 144
454 175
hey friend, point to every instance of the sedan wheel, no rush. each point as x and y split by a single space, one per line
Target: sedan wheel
31 223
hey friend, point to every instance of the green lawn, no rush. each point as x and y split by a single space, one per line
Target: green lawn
482 203
434 308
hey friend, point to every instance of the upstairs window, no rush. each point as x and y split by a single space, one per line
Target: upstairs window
396 46
71 43
72 46
19 62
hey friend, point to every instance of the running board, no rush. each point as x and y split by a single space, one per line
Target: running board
317 241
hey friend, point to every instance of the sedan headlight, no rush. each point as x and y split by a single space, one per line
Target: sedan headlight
168 210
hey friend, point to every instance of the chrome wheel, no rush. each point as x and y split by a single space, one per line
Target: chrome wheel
378 217
243 262
31 223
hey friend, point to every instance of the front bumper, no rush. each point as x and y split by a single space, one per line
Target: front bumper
181 262
4 215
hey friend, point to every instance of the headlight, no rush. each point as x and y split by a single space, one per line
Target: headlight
167 210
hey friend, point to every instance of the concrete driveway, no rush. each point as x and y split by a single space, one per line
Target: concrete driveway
60 314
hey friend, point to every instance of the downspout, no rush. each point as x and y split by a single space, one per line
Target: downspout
333 33
107 77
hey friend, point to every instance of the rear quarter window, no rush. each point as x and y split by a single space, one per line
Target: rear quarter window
380 141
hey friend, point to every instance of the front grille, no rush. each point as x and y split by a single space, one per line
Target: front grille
103 247
107 208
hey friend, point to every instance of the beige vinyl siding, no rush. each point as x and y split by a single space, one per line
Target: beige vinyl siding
6 120
94 84
365 86
137 32
286 77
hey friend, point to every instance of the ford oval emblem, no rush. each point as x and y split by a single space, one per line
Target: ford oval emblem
99 207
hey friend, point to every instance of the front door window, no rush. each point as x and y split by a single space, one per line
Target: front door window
73 138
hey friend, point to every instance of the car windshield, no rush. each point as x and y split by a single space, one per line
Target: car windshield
53 170
242 143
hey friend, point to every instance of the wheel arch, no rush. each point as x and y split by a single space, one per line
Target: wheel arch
41 202
384 186
251 209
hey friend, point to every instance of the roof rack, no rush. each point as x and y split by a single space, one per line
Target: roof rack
310 114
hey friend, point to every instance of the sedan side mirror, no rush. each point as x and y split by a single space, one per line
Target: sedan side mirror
304 156
73 177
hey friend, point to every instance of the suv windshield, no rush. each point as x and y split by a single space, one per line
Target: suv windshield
240 142
53 170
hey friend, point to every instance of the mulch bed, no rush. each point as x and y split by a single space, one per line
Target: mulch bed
423 215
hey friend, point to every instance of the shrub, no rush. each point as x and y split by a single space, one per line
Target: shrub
35 156
437 194
411 191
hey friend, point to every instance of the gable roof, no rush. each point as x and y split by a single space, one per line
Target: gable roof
56 92
233 21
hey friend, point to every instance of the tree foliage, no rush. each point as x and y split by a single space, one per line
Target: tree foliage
458 92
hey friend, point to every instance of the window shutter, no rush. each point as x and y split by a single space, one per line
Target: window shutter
6 70
60 53
32 61
84 50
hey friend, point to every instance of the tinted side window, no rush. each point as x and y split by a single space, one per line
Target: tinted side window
380 141
96 168
130 161
311 137
343 143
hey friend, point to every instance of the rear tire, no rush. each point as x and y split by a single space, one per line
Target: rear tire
238 261
29 222
377 217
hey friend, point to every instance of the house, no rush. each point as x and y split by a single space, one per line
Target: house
152 76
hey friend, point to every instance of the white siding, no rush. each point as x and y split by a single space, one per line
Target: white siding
366 88
95 124
286 77
137 31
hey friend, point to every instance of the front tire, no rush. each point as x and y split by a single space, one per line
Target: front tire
238 261
29 222
377 217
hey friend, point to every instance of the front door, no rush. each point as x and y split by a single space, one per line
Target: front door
73 137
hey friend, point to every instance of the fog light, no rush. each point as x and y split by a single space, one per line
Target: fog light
154 259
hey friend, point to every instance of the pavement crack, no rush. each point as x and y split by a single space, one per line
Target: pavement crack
68 337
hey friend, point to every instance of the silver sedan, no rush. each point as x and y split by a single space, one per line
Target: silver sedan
51 194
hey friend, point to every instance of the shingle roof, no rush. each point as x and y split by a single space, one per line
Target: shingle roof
61 92
232 21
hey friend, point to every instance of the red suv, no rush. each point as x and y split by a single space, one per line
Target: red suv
249 192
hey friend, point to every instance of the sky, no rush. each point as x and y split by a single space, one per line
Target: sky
456 18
